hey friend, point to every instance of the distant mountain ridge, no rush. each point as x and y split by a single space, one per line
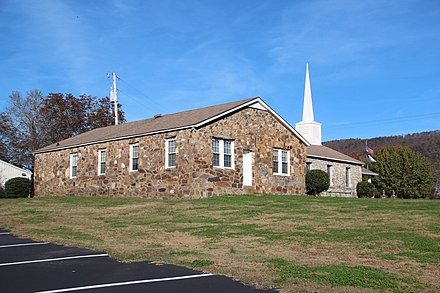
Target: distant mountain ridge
425 143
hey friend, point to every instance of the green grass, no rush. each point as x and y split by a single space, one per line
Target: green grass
339 275
198 263
36 219
270 240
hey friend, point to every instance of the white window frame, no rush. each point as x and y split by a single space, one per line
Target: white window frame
131 157
280 161
167 153
73 164
348 177
330 174
222 153
100 161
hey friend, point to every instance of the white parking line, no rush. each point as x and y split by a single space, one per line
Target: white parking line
125 283
23 244
5 233
51 259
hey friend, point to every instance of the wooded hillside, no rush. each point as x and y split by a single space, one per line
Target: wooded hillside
425 143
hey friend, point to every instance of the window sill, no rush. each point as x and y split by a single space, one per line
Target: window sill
281 174
224 168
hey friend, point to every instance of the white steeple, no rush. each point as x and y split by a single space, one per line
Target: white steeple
308 105
308 128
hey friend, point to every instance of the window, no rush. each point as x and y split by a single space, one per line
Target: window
330 174
101 162
216 153
281 161
275 161
227 154
73 165
347 177
284 162
223 153
170 153
134 157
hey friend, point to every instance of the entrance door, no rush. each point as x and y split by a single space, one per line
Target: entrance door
247 168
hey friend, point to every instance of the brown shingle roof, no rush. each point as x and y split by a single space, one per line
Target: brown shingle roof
323 152
164 123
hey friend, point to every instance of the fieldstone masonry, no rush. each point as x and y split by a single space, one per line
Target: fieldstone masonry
338 186
194 176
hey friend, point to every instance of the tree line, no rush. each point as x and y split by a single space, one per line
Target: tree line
34 120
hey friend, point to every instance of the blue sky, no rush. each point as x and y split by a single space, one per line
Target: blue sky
374 65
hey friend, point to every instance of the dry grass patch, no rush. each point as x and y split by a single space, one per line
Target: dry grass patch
298 244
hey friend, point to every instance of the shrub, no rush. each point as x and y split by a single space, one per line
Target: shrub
317 181
18 187
366 189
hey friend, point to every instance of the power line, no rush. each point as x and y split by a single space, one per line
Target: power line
139 101
389 120
150 100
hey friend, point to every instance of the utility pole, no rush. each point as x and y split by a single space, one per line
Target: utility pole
114 96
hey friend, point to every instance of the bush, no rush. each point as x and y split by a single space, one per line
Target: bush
317 181
366 189
18 187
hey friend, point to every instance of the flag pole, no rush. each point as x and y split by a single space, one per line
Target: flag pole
366 152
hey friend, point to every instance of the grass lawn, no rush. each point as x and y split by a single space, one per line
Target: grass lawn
296 243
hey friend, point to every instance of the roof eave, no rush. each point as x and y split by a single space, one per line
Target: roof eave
112 139
336 159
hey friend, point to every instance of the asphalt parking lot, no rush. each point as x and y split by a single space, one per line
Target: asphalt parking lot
29 266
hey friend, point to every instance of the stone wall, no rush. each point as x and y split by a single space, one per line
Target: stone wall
194 176
338 187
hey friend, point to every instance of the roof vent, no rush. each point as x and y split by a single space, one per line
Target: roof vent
157 116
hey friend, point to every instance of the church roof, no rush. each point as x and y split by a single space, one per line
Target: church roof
365 171
323 152
163 123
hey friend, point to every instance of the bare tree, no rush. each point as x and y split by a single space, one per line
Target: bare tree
24 127
3 138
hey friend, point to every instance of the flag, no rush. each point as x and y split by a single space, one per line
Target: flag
371 159
369 150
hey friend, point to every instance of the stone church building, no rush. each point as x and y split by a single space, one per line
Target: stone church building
236 148
344 171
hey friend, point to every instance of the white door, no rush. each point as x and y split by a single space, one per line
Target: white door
247 168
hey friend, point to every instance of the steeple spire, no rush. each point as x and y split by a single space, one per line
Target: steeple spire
308 106
308 128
